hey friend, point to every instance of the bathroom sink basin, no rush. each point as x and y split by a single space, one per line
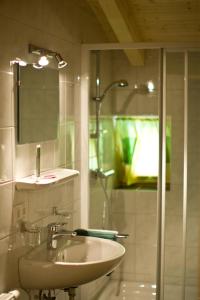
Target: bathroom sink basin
77 260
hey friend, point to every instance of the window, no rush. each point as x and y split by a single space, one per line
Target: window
130 146
137 152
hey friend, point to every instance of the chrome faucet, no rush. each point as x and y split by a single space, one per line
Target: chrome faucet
55 230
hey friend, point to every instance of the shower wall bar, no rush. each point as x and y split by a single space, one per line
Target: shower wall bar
148 46
161 181
185 170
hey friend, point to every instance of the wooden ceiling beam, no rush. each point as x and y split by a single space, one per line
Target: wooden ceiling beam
117 16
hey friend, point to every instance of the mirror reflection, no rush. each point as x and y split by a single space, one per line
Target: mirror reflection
37 104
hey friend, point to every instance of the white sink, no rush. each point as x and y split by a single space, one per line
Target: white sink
77 260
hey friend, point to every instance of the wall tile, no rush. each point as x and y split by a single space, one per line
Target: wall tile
123 201
177 136
193 141
4 245
191 292
23 162
6 154
193 168
175 104
146 229
193 104
146 202
147 105
172 292
6 203
146 260
60 149
193 200
6 100
173 261
62 104
69 100
173 230
175 71
176 168
193 231
192 261
128 263
174 200
124 223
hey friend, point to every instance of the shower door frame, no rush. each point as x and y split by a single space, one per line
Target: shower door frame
84 145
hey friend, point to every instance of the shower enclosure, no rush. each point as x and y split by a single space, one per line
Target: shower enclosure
144 167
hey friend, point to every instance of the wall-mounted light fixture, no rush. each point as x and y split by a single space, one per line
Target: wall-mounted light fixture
19 61
45 55
61 62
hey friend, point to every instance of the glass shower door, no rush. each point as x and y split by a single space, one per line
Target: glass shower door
182 205
192 267
173 239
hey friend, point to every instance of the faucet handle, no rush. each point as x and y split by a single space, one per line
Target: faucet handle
53 227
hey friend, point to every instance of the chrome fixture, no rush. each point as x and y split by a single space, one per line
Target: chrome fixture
18 61
38 152
55 230
45 55
61 62
118 83
100 173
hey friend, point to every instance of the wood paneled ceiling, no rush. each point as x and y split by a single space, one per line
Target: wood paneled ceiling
148 21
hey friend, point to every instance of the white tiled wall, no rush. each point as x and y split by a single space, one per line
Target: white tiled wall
60 26
134 212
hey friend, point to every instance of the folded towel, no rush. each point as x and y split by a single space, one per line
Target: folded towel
99 233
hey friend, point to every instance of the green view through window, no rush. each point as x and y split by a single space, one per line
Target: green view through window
130 146
137 152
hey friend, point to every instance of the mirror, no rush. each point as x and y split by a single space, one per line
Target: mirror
37 104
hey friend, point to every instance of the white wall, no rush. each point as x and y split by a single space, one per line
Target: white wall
60 26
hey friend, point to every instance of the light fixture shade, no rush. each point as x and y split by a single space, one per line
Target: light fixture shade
61 63
37 66
43 61
22 63
19 61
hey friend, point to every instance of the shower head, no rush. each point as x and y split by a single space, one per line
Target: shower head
118 83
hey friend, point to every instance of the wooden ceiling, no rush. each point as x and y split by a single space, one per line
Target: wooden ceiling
148 21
